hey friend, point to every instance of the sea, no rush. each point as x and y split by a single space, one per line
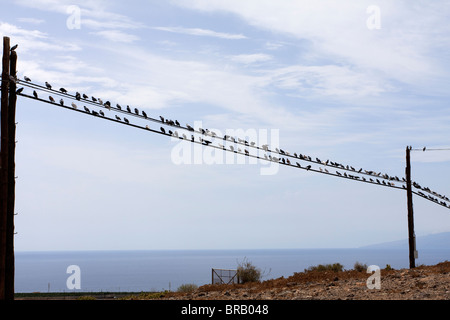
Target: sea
160 270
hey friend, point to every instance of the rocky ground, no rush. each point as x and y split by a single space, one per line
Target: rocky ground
421 283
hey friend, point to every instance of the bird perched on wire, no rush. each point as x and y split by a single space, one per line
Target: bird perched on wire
48 85
85 96
126 120
35 94
118 118
75 106
144 114
128 109
78 96
63 90
136 110
162 130
86 109
18 91
101 113
61 102
424 148
118 106
14 47
27 79
51 99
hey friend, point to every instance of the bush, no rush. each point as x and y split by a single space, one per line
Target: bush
336 267
189 287
360 267
388 267
247 272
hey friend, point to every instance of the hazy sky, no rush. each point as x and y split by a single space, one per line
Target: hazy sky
350 81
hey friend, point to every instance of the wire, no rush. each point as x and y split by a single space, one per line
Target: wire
378 178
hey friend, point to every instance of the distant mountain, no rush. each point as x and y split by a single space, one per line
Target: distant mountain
431 241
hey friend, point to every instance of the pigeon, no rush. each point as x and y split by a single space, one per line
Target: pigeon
101 112
85 96
78 96
86 109
95 113
189 127
108 105
308 167
14 47
48 85
162 118
63 90
136 110
128 109
126 120
144 114
61 102
118 118
118 106
27 79
75 106
177 123
94 99
162 130
35 94
51 99
100 101
18 91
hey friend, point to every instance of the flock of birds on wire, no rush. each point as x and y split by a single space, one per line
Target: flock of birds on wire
205 138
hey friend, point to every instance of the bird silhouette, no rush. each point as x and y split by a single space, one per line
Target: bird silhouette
136 110
61 102
74 106
118 118
424 148
144 114
63 90
35 94
48 85
101 112
14 47
51 99
128 109
18 91
26 79
162 130
78 96
85 96
86 109
118 106
126 120
94 99
162 118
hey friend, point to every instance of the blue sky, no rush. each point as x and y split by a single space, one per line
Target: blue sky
324 77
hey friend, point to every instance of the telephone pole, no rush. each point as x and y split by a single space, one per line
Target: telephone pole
411 235
7 171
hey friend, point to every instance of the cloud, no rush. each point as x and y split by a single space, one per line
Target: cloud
251 58
31 20
116 36
201 32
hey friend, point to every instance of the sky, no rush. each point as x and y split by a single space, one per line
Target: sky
350 81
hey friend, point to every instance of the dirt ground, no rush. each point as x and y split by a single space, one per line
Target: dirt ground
421 283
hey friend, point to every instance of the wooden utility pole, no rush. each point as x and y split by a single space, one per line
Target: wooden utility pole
7 178
411 235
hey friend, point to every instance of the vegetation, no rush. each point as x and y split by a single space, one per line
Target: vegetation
189 287
247 272
360 267
336 267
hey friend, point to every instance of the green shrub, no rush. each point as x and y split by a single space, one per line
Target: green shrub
388 267
247 272
188 287
360 267
336 267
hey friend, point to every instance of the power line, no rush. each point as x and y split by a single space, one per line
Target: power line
282 157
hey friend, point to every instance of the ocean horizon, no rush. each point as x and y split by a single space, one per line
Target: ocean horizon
159 270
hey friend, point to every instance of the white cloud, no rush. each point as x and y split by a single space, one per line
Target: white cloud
251 58
116 36
31 20
201 32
